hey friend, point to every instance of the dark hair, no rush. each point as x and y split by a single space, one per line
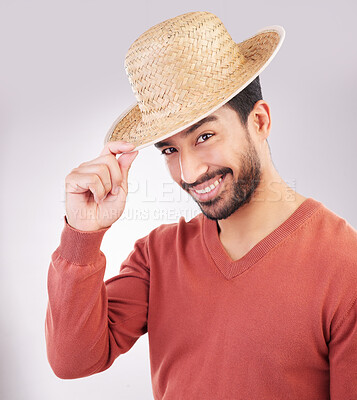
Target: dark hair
244 101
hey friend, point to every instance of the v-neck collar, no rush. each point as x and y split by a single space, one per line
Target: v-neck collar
230 268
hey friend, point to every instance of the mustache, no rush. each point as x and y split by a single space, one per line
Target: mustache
206 177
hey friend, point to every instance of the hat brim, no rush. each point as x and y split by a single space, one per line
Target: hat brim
258 51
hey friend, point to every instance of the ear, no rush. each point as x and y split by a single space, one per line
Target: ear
260 119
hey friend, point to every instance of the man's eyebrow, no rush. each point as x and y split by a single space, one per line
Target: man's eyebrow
192 128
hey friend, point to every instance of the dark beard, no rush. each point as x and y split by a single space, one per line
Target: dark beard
243 189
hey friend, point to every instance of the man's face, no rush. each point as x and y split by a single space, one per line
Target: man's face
216 162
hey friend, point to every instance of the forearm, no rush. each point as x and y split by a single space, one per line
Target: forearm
77 333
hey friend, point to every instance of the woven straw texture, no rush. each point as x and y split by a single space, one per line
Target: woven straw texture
183 68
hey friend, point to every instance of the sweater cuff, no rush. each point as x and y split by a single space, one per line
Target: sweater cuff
80 247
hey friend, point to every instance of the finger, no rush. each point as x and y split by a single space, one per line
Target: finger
81 183
105 174
125 161
117 147
109 162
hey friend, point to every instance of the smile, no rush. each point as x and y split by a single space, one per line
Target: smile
208 192
209 188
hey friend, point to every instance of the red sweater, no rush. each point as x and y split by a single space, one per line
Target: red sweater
279 323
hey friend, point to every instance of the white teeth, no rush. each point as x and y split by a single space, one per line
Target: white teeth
209 188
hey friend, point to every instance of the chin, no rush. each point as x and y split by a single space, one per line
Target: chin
212 210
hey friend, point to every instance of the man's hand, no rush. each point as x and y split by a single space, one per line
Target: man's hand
96 191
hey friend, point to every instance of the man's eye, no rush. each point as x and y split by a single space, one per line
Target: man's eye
204 137
168 150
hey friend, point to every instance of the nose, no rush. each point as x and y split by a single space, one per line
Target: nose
192 166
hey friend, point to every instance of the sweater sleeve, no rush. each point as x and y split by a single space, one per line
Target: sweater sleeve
343 357
89 322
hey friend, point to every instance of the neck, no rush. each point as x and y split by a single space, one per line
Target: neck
270 205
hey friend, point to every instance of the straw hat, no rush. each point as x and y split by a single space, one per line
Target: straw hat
185 68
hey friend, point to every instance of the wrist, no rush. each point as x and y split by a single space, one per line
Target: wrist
80 247
84 226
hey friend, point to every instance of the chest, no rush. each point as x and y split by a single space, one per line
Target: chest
270 304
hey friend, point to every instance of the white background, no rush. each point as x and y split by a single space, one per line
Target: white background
62 83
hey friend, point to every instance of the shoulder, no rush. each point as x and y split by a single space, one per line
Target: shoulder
181 230
170 238
333 247
335 232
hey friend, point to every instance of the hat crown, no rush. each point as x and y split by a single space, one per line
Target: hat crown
173 63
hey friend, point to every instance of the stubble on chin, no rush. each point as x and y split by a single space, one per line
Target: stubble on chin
240 192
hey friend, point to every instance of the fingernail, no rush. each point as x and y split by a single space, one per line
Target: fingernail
115 190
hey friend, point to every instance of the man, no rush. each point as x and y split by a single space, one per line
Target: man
256 297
